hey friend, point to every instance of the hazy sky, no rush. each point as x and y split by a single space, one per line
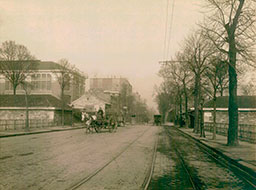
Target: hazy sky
101 37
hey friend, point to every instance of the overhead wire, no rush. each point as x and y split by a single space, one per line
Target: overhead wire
170 30
166 29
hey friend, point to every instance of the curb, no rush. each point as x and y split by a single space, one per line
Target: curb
38 132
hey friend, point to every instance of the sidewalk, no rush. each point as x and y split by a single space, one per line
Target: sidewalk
244 154
20 132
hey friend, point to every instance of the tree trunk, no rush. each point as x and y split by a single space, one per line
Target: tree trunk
186 110
196 105
186 105
214 115
14 89
180 111
62 107
232 107
202 132
176 112
27 112
221 90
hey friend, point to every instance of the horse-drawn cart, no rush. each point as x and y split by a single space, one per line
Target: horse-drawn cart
157 120
98 122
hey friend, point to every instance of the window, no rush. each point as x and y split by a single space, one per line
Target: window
8 85
41 82
67 84
49 82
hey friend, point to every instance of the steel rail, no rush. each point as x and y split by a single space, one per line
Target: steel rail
225 161
149 175
183 163
88 177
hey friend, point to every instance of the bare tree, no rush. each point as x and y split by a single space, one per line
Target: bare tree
165 98
249 89
64 77
216 73
197 50
184 75
172 85
16 63
180 76
231 28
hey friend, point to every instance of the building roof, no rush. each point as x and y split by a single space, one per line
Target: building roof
47 65
243 102
101 95
34 65
33 101
91 99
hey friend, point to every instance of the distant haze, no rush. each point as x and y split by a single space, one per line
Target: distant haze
101 37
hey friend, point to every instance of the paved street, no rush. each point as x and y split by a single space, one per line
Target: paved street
122 160
58 160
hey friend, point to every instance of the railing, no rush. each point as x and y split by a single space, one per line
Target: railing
246 132
21 123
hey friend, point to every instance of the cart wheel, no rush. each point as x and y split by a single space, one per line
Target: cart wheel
87 130
110 128
115 127
97 129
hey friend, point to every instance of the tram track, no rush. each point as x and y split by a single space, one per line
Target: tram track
149 175
86 179
183 163
244 174
248 176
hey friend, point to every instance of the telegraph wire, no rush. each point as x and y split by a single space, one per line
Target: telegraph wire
166 28
170 30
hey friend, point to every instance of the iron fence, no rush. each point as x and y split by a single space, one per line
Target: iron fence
246 132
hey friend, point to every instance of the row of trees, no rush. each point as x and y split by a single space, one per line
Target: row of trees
209 62
134 105
17 64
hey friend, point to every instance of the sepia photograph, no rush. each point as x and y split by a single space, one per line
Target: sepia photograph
127 94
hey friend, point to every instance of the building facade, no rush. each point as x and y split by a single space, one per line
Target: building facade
44 82
246 117
246 110
110 84
42 103
92 101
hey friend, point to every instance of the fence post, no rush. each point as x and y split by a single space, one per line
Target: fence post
241 131
14 125
6 127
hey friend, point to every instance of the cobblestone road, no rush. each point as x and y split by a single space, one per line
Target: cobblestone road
58 160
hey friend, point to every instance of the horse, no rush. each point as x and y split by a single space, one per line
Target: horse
98 121
88 121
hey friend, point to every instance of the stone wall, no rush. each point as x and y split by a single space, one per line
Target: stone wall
245 117
16 119
21 114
